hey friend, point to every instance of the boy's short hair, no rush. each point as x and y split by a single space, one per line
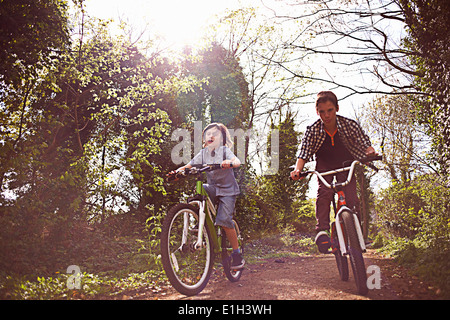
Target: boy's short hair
324 96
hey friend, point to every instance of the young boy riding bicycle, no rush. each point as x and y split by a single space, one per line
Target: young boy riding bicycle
222 187
333 139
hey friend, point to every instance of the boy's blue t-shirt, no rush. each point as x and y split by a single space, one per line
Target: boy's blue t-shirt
223 180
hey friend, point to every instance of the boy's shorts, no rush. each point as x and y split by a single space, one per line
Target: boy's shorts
225 209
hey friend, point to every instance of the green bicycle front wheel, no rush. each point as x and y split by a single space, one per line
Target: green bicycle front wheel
187 268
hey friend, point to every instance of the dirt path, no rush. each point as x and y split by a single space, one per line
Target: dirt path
309 277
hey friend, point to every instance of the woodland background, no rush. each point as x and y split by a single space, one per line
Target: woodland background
87 112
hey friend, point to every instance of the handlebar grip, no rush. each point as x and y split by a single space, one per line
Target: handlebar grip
302 174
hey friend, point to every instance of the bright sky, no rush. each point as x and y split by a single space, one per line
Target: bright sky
180 22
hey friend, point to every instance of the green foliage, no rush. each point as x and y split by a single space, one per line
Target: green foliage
414 219
92 286
427 38
80 143
418 208
223 95
277 187
272 202
31 34
305 218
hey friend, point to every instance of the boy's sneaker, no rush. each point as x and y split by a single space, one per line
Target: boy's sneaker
237 262
323 241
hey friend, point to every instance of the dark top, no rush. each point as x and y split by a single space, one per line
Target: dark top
332 153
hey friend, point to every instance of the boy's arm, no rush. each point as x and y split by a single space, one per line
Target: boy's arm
188 166
306 152
298 168
370 151
180 169
231 161
365 140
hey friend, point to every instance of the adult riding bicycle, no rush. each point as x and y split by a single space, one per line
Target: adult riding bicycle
346 235
190 241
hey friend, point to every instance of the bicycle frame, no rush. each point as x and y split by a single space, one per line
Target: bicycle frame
204 216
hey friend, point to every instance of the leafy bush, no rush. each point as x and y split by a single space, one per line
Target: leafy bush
414 220
305 218
91 286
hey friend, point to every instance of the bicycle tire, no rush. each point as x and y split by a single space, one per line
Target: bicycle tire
187 269
355 253
232 275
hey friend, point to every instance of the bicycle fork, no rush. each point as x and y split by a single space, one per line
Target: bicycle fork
340 232
202 207
342 206
201 224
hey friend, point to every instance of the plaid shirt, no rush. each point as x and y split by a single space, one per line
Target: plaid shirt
350 133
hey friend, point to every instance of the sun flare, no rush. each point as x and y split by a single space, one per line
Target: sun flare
178 22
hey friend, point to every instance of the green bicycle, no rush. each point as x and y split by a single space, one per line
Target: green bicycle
190 241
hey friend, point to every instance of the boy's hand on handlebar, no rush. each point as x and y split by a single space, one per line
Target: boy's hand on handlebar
175 174
371 155
229 164
295 175
370 151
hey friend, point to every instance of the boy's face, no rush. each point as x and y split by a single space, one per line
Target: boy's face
213 137
327 112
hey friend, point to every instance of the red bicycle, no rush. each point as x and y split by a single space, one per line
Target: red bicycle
346 235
